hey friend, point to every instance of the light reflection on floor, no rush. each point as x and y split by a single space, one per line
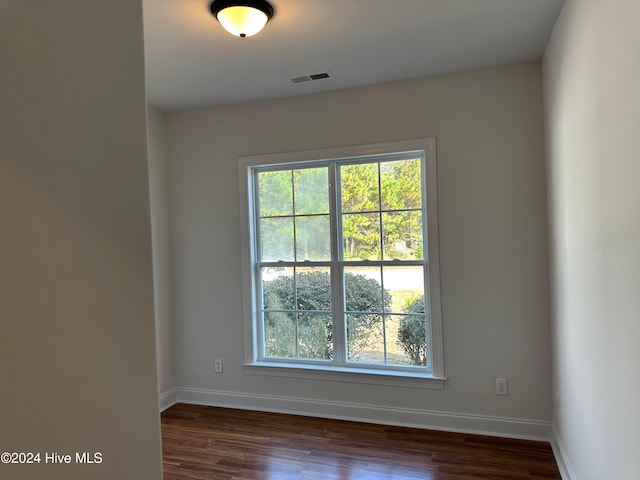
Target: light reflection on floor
365 469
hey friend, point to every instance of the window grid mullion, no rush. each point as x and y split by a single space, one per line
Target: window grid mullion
295 271
379 212
337 284
383 314
293 217
382 256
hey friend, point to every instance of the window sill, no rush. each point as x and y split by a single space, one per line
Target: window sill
345 374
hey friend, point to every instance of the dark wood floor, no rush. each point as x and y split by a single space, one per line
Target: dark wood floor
225 444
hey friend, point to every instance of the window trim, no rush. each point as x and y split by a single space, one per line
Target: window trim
423 146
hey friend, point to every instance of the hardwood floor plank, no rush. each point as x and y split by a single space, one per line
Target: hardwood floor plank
210 443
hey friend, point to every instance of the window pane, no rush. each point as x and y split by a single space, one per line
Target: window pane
313 289
363 290
311 186
402 235
314 336
361 236
365 342
277 288
359 184
405 285
406 340
279 334
276 196
401 184
313 238
276 239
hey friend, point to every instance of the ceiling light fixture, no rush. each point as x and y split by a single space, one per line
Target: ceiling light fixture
242 18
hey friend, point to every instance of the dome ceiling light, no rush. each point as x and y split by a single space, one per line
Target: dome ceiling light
242 18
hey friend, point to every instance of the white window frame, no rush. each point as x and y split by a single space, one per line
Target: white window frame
417 378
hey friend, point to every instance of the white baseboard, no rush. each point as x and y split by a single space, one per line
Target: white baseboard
566 472
167 399
435 420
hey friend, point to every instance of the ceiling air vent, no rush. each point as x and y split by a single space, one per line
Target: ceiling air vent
310 78
304 78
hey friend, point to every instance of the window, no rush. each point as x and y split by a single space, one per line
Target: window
341 271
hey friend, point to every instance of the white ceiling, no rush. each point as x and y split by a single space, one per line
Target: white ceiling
192 62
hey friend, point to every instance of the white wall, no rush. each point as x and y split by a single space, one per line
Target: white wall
77 347
161 253
493 233
591 79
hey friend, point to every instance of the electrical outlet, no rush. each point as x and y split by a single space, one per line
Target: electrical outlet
501 386
218 365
